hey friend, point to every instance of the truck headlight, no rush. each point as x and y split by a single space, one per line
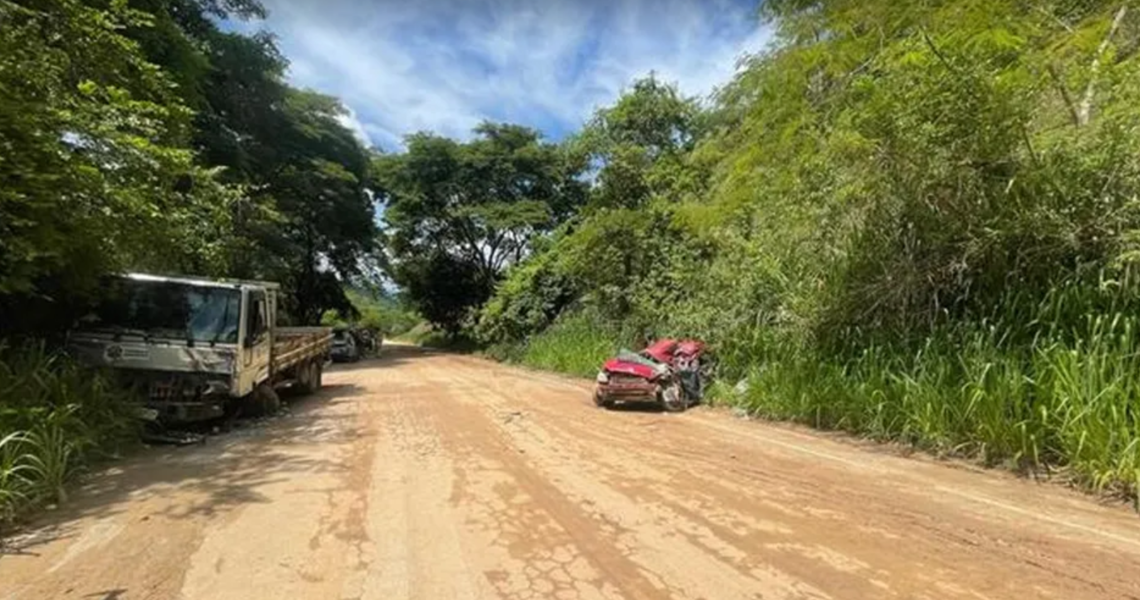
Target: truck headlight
602 377
217 388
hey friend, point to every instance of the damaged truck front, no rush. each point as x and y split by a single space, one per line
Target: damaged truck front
200 349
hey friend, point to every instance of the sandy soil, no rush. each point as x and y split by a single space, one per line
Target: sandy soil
431 476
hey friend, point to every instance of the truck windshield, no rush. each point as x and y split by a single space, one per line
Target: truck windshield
170 310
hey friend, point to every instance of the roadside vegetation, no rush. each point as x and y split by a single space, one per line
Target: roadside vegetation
56 419
577 343
375 310
911 221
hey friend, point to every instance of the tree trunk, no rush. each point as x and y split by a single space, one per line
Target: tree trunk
1084 113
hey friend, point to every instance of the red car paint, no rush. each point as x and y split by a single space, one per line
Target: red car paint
625 367
690 348
662 350
629 380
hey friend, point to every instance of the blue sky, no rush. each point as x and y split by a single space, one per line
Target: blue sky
445 65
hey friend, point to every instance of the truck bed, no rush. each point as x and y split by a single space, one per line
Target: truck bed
295 344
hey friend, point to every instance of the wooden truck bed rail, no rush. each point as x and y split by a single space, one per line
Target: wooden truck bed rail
297 344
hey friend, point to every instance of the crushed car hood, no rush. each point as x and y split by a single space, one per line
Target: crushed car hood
625 367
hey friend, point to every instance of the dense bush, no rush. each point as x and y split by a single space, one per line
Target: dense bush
1066 397
575 344
56 417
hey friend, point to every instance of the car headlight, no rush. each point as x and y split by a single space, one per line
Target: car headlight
602 377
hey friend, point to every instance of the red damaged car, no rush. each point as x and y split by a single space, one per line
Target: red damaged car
669 373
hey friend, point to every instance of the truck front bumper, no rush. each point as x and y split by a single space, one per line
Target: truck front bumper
175 412
187 400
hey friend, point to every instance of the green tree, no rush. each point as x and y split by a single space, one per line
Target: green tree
320 187
306 218
150 139
96 175
640 144
613 255
458 213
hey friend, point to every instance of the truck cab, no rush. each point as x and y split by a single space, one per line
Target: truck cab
197 346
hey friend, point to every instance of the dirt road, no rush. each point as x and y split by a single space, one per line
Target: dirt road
433 476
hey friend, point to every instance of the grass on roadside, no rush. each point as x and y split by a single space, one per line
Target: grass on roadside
575 345
56 418
1071 405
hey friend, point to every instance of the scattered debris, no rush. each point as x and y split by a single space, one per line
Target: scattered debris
177 438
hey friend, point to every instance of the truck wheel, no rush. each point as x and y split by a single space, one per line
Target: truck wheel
306 378
262 402
673 398
314 376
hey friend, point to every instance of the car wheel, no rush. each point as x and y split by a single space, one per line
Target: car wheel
601 402
673 398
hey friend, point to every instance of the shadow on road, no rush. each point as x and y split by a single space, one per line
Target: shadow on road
390 356
115 594
636 407
217 476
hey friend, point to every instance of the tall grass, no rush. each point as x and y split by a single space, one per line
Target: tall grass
15 476
575 344
56 417
1066 399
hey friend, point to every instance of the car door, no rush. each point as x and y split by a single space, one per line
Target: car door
257 346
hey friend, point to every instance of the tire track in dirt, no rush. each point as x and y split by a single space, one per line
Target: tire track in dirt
546 546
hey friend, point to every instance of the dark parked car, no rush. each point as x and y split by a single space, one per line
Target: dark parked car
344 347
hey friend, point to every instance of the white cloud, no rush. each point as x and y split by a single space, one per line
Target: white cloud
445 65
351 122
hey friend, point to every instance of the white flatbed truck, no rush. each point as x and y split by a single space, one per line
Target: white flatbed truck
201 348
